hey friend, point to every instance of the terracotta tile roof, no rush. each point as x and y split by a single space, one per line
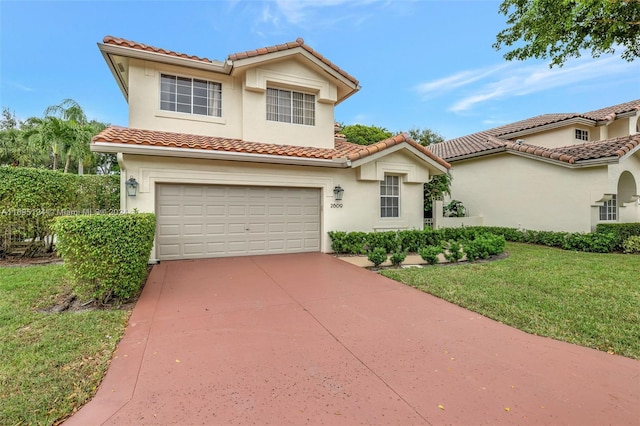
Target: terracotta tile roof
496 138
570 154
342 149
388 143
531 123
235 56
135 45
292 45
466 145
609 113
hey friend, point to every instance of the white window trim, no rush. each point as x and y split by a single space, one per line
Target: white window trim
609 210
398 197
192 115
581 131
291 108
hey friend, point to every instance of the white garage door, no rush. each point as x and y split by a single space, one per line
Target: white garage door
195 221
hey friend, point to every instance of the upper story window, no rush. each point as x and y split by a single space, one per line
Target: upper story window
582 135
390 196
190 95
609 211
288 106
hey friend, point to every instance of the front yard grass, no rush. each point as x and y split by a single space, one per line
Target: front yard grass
589 299
50 363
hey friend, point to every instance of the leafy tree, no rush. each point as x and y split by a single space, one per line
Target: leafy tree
425 136
62 135
439 185
365 135
560 29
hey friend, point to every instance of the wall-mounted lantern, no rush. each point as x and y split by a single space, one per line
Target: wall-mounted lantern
338 192
132 187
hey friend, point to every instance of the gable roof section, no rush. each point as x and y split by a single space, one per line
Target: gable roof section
496 139
115 49
117 139
609 113
591 152
573 154
288 46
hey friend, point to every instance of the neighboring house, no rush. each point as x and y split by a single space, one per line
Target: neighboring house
559 172
240 157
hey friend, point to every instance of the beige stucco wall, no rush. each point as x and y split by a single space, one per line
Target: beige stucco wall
513 191
243 103
359 211
561 136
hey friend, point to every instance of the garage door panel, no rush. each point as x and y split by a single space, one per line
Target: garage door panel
216 210
237 210
213 221
193 229
194 191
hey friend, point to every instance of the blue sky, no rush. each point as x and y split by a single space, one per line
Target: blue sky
426 64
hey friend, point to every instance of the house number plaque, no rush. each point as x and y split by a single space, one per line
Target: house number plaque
336 205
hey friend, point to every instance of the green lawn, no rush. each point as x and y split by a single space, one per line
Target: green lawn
50 363
589 299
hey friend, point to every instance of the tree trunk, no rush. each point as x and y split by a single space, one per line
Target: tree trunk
67 163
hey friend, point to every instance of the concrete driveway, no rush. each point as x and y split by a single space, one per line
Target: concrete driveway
309 339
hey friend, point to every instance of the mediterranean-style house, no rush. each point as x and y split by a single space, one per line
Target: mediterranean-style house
554 172
241 157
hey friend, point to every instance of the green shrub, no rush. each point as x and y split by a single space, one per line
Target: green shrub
430 254
414 240
377 256
106 255
338 241
31 198
483 246
595 242
621 230
387 240
397 257
453 251
632 244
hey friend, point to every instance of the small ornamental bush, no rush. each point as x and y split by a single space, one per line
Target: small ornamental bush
453 251
632 244
377 256
483 246
398 257
430 254
106 255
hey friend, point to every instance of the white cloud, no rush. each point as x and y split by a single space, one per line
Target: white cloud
19 86
462 78
509 80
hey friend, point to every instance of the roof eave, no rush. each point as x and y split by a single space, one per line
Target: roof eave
549 126
111 147
626 114
129 52
124 88
475 154
373 157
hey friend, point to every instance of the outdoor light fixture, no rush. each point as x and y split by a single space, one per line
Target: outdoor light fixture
132 187
337 193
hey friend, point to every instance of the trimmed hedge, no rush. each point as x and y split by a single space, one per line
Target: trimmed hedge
106 255
414 240
31 198
622 231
